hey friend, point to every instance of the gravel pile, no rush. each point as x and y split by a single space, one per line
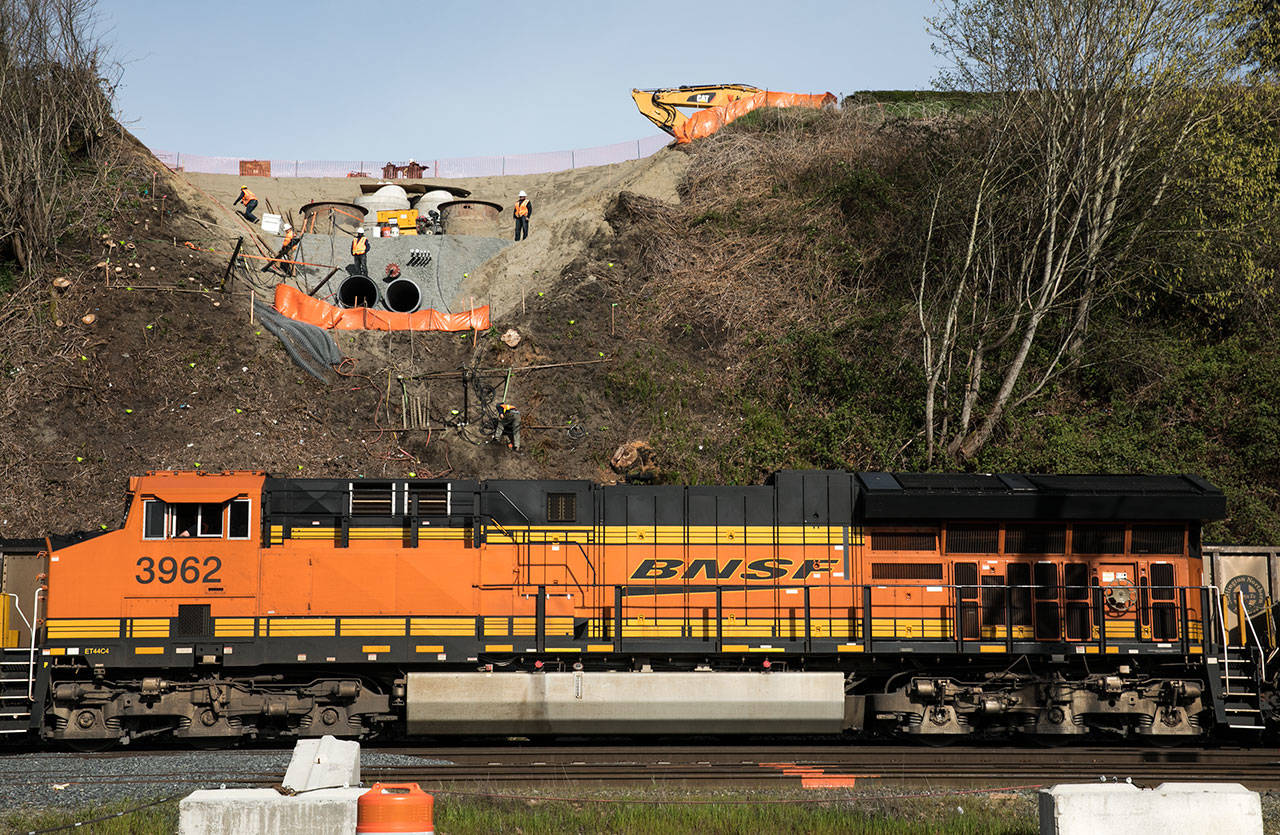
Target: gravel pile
75 781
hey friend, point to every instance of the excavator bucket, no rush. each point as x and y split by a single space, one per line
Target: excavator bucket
706 122
661 105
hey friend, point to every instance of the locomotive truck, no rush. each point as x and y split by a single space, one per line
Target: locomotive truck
237 605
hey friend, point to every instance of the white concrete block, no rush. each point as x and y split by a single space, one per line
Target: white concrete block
324 763
245 811
1168 809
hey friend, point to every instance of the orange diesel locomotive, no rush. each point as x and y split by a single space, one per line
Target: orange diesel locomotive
234 605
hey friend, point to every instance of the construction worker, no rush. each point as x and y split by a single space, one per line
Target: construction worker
291 240
509 418
250 203
522 211
360 252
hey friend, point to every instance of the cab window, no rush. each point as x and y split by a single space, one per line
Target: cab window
195 519
153 518
238 519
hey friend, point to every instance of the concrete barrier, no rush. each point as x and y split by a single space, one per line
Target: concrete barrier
242 811
1168 809
324 763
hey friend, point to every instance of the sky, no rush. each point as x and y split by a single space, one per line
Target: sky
358 81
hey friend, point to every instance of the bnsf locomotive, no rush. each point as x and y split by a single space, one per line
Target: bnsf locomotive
238 605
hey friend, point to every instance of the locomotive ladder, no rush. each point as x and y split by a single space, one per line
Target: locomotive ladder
1236 675
1234 684
15 691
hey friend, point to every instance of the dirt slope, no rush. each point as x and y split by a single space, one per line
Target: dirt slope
172 374
569 209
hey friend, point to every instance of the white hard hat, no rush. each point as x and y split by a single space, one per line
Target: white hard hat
522 194
288 226
360 230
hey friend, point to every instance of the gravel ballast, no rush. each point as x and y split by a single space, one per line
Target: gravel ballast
67 780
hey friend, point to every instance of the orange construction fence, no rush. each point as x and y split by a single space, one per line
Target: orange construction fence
706 122
295 304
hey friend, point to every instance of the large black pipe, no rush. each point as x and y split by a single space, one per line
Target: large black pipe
357 291
403 296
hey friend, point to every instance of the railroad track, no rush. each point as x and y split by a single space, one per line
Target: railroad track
812 766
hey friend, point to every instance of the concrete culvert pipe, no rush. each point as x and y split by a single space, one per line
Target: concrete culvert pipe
357 291
403 296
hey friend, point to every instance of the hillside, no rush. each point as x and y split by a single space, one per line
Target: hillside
741 304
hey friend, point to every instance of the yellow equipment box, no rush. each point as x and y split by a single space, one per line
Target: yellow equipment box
406 219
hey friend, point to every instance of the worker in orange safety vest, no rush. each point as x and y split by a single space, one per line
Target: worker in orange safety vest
522 211
360 252
291 240
250 203
509 423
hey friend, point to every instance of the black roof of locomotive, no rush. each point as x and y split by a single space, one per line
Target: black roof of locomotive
814 497
1013 496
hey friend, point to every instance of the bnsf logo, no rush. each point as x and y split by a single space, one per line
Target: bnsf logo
762 569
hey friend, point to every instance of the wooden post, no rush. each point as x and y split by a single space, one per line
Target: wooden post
321 285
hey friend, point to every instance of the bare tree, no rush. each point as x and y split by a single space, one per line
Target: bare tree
55 121
1090 105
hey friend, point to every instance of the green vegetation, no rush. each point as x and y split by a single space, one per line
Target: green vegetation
730 813
785 293
154 820
656 810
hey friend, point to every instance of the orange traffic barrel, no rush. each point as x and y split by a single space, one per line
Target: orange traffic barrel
394 809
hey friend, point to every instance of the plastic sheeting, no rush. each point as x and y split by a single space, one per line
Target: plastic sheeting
297 305
706 122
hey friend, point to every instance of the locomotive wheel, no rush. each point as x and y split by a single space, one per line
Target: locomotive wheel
90 746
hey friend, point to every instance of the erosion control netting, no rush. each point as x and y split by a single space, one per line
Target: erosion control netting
310 347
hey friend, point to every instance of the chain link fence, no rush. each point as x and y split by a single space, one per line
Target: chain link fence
543 163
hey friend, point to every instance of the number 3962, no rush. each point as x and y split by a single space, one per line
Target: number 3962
168 570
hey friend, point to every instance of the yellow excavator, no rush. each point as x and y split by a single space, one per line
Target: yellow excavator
659 105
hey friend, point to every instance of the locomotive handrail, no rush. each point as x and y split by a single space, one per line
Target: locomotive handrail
1244 615
869 621
1226 636
31 655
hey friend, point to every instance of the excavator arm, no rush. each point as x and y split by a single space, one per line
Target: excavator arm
659 105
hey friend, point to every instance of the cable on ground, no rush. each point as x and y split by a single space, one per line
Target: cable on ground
105 818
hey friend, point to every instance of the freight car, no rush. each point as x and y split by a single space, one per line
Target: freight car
237 605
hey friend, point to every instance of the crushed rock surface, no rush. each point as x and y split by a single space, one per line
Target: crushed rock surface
65 780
